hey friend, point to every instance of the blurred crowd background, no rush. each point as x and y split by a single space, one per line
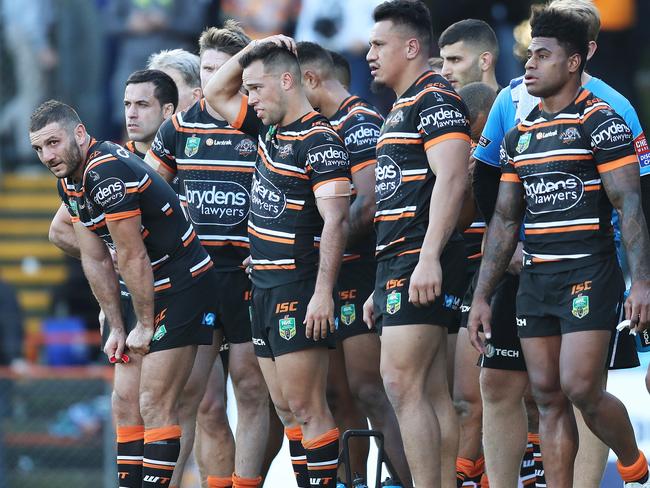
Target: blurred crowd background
54 426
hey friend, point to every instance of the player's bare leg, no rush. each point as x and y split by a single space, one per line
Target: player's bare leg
214 446
275 440
467 398
502 392
447 416
362 354
165 373
345 411
452 339
252 398
406 381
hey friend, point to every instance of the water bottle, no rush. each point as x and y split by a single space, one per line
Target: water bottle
390 483
359 481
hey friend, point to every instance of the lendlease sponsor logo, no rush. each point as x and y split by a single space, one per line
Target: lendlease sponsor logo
216 202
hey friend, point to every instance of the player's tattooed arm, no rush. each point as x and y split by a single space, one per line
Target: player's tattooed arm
623 189
362 210
502 237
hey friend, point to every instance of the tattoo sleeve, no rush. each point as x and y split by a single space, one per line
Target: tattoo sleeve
502 237
624 191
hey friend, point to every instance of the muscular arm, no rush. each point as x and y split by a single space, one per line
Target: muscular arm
362 210
335 214
645 197
62 233
502 238
135 267
98 268
623 189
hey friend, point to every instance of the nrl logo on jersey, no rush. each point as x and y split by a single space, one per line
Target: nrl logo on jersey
192 146
523 143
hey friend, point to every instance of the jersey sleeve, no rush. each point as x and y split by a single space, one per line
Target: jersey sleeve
163 147
506 158
360 134
247 120
326 158
114 188
500 119
65 194
441 116
611 139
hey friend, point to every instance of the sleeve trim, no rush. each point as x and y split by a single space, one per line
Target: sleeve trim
241 116
446 137
122 215
510 177
617 163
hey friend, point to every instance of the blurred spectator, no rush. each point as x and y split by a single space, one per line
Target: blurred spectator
262 18
27 25
342 26
143 27
617 57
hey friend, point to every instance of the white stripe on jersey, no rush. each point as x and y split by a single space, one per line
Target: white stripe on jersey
403 135
395 211
166 207
268 261
200 265
411 172
188 232
216 162
198 125
286 167
223 238
360 108
307 131
295 202
143 180
561 223
161 282
556 152
270 232
161 260
553 257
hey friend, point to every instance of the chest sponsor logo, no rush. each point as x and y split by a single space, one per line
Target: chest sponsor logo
327 157
109 192
543 135
361 136
388 178
394 119
216 202
267 201
442 117
192 146
642 150
554 191
523 142
570 135
246 147
611 134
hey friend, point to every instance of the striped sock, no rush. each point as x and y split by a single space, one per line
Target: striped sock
216 482
130 446
298 456
238 482
637 472
527 470
161 448
540 479
485 483
323 458
476 473
463 468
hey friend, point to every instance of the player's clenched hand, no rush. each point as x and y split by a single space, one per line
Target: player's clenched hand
637 305
320 316
115 343
248 267
426 282
480 314
139 339
369 311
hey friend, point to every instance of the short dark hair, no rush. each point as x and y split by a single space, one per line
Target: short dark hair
342 70
165 90
229 39
473 32
571 32
272 56
413 14
478 98
53 111
312 53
